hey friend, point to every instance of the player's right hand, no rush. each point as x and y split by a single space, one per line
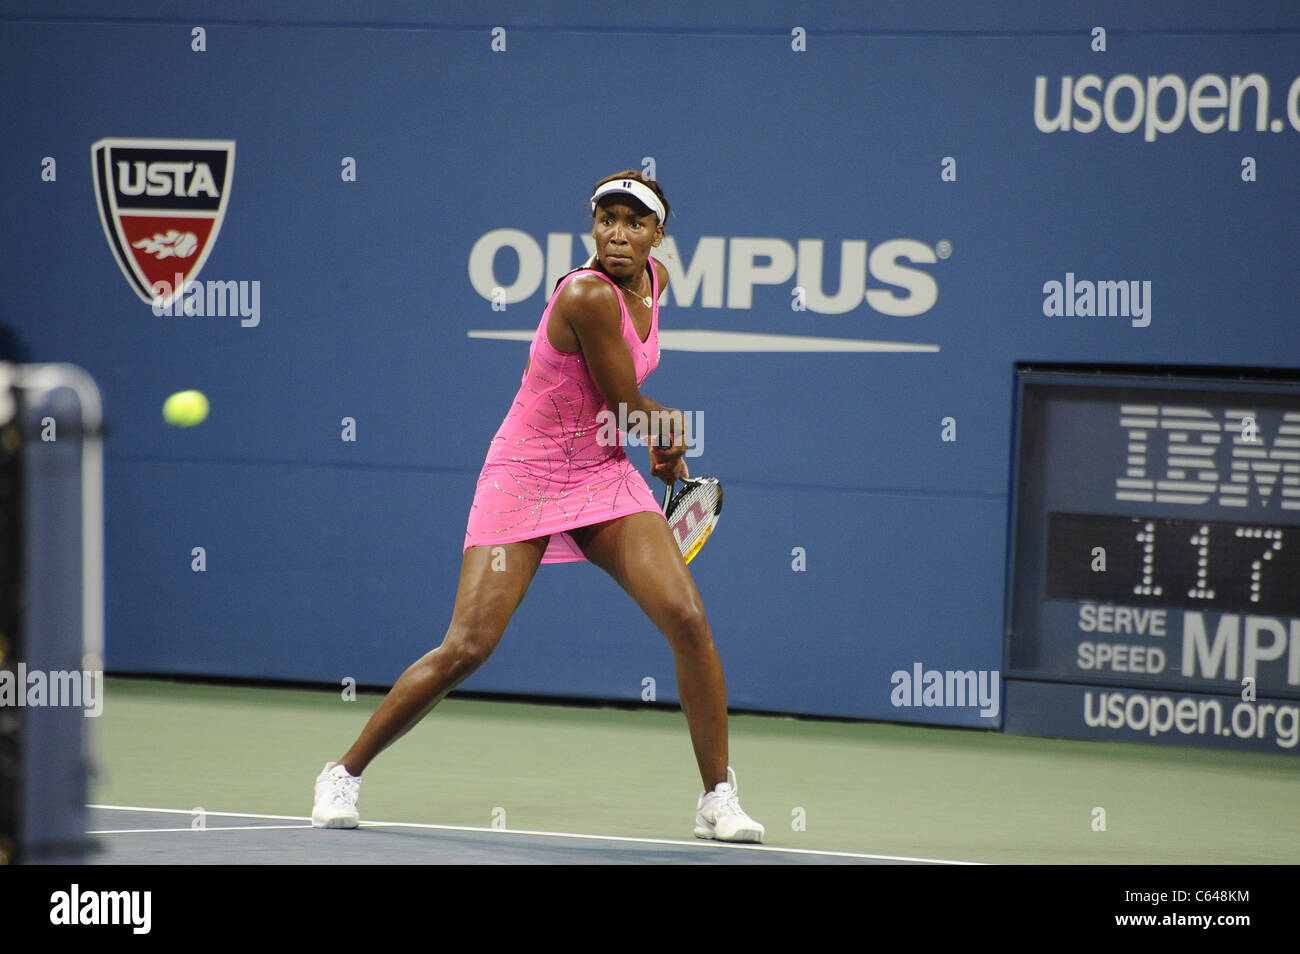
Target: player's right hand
668 467
668 463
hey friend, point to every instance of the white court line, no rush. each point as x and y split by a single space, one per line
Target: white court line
155 831
191 811
698 843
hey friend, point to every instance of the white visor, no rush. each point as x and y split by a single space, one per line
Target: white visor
638 190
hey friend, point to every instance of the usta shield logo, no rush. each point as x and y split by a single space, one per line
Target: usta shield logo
161 202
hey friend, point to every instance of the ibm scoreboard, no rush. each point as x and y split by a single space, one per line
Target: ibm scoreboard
1154 588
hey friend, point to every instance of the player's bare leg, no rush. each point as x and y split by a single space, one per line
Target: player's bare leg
640 553
491 589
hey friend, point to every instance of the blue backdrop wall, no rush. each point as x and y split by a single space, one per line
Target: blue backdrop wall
896 164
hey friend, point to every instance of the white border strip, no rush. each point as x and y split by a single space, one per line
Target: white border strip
698 843
741 342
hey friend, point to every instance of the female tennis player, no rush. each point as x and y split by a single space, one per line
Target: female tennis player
555 489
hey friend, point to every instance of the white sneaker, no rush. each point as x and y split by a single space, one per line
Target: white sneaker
719 815
336 798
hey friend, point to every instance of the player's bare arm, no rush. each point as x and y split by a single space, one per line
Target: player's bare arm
589 308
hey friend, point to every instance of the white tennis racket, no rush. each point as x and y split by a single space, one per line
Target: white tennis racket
692 512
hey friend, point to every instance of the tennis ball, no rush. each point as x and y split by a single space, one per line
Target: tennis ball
185 408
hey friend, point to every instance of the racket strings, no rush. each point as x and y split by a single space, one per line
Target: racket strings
693 513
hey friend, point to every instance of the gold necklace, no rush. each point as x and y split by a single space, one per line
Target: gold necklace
646 299
649 302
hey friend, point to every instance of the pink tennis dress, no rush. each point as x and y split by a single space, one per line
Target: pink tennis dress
546 472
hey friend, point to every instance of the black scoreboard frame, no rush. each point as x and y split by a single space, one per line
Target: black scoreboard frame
1036 674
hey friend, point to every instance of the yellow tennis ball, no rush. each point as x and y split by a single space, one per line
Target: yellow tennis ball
185 408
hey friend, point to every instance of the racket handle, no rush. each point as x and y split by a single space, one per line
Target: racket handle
668 492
